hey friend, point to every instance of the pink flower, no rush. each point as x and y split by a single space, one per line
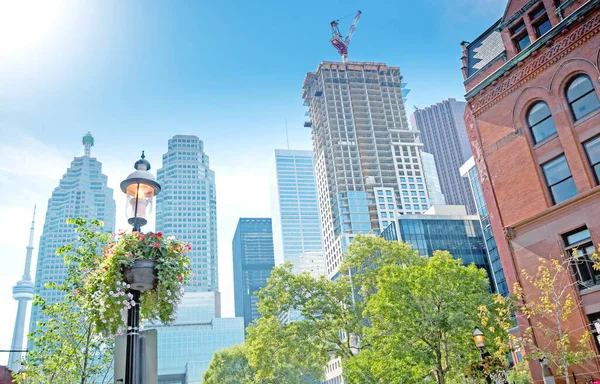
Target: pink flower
180 278
76 291
156 245
159 234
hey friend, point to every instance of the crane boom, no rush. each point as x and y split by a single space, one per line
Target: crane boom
338 41
352 28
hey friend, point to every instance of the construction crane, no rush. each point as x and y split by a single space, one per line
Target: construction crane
339 42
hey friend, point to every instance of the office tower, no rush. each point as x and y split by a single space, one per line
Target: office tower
253 261
436 197
367 160
22 292
295 212
82 192
187 207
444 227
444 135
185 348
469 171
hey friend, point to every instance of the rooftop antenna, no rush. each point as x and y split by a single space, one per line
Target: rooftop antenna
287 136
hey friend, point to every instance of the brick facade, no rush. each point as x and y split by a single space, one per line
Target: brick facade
526 222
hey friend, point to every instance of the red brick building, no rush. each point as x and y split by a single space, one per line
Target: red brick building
5 375
533 119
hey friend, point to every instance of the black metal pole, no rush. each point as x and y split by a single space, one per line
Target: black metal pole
133 324
483 355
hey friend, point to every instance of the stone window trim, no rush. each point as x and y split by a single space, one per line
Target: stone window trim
533 124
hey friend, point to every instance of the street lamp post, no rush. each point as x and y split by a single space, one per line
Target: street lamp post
479 339
140 187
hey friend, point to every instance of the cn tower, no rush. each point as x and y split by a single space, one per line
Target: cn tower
22 292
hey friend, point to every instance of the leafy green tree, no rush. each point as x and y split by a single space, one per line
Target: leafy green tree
230 366
423 316
66 349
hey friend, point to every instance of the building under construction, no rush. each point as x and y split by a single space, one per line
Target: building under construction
367 159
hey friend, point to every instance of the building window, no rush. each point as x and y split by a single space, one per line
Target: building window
520 36
540 122
540 22
582 97
559 179
592 149
579 248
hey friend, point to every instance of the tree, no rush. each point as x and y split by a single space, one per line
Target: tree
551 305
66 348
230 366
423 316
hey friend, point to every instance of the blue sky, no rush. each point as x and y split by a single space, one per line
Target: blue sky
136 73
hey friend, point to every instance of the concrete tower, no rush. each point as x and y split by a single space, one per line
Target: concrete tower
22 292
368 163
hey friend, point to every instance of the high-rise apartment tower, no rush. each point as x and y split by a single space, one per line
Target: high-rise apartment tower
367 159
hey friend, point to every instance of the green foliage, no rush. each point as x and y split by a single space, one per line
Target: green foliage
229 366
423 316
104 292
391 316
66 348
520 374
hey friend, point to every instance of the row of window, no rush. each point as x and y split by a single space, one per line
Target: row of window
582 99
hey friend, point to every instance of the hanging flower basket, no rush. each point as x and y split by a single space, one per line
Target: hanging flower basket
150 263
141 276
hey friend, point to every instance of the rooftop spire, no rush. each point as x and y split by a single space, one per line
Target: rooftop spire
88 143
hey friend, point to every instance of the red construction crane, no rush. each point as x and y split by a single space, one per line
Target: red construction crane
338 40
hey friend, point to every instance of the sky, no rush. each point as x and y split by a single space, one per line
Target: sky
135 73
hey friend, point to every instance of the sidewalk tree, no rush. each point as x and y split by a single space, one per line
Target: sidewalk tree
66 348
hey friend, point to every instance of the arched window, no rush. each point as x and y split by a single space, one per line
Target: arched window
540 122
582 97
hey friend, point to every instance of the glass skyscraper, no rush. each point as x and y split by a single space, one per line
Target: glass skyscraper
367 159
295 211
444 135
253 261
186 348
469 171
445 228
187 207
82 192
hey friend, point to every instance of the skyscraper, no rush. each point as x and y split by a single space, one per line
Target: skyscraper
22 292
367 160
295 212
82 192
469 171
187 207
253 261
444 135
